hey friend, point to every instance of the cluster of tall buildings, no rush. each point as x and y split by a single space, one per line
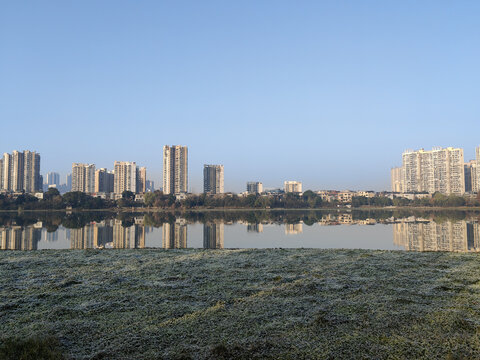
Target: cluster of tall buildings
20 172
438 170
126 176
53 179
175 173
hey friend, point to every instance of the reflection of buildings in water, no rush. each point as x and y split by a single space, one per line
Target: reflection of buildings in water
328 219
175 235
82 238
292 229
148 229
20 238
458 236
258 228
367 222
345 218
51 236
101 234
213 236
132 237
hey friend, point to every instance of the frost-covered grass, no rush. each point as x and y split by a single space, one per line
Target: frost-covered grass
222 304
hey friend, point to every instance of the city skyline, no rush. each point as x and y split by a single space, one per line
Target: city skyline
440 169
198 176
354 83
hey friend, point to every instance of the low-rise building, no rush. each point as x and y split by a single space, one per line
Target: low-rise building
345 196
367 194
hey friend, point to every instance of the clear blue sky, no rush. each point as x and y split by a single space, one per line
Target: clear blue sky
326 92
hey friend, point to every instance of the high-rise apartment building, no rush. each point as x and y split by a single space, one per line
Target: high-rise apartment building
53 178
175 169
18 170
438 170
254 187
476 184
293 186
68 182
83 177
31 172
1 173
104 180
397 179
7 169
142 180
21 171
470 175
213 179
150 186
125 177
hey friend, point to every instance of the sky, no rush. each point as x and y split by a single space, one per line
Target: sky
329 93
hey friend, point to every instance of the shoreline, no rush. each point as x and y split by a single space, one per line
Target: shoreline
229 209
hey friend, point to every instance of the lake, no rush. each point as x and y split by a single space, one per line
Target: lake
379 230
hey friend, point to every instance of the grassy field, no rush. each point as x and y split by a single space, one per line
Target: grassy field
279 304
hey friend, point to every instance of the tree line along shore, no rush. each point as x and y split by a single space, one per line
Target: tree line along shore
53 200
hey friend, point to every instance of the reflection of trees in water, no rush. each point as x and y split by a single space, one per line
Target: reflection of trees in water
309 217
77 220
127 230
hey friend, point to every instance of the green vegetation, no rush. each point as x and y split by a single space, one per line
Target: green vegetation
52 200
438 200
379 201
308 200
31 349
240 304
291 201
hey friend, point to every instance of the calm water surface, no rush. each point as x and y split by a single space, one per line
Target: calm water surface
455 231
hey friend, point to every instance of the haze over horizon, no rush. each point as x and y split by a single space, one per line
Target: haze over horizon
328 93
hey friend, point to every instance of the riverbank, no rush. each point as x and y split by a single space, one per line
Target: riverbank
246 209
144 304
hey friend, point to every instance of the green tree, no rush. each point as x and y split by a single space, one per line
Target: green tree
128 195
51 193
149 199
